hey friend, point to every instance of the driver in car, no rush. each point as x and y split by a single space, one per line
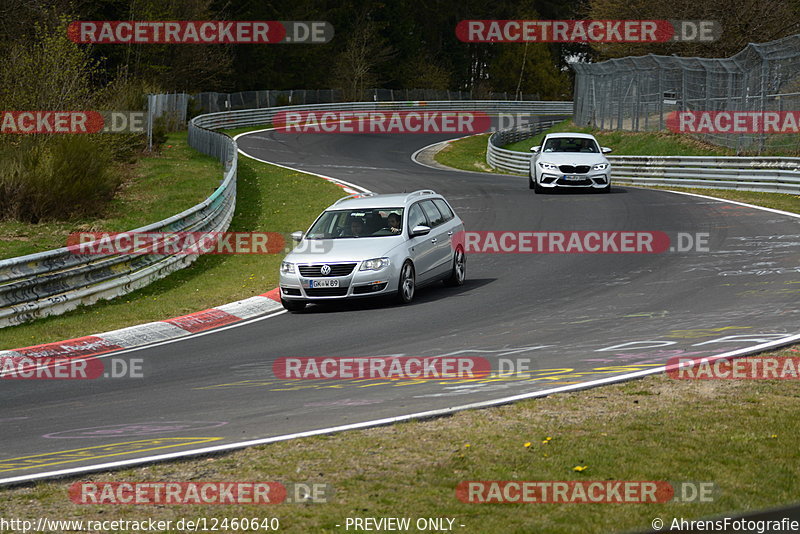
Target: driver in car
394 223
356 227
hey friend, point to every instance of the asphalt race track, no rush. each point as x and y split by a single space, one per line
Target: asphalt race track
568 313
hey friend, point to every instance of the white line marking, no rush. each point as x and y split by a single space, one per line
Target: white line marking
771 210
388 420
450 169
330 178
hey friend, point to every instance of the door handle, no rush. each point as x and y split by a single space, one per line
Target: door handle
434 240
450 233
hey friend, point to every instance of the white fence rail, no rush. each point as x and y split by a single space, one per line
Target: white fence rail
764 174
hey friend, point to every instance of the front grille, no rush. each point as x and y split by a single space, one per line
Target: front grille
574 169
561 181
327 292
337 269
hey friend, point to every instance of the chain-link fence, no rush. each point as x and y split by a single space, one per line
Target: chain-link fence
640 93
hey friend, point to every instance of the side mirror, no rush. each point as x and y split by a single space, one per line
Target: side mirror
297 236
420 230
535 149
606 150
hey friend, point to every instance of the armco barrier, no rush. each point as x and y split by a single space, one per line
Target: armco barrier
55 281
764 174
254 117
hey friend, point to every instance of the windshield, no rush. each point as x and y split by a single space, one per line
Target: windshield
571 144
373 222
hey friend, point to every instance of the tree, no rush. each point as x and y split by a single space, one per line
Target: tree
742 22
355 68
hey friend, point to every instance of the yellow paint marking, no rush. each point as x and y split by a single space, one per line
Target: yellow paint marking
375 384
98 451
246 383
702 332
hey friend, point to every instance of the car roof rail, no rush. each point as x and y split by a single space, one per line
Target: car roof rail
420 193
355 195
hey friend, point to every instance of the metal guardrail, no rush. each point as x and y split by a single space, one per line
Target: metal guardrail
511 160
763 174
56 281
254 117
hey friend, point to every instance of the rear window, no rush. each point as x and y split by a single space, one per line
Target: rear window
433 213
447 213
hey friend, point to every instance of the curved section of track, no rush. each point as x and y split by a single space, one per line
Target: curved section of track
577 318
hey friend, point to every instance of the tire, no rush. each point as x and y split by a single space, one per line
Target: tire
606 189
293 306
407 285
538 189
459 271
531 184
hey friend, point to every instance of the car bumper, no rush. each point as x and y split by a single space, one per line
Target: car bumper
594 181
359 284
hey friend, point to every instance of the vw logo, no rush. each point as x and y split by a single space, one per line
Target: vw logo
325 270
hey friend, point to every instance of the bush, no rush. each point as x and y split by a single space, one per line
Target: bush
56 178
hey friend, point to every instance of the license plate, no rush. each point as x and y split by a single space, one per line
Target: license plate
573 178
323 283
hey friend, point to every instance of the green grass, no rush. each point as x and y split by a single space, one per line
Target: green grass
269 199
740 435
155 188
632 143
464 154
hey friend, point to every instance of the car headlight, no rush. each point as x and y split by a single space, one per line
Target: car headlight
600 166
548 166
375 264
287 267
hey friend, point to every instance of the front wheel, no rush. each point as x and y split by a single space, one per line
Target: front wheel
459 272
407 284
293 306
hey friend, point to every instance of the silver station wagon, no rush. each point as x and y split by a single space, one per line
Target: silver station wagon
368 245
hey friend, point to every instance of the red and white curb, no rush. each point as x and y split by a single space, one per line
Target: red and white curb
156 332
